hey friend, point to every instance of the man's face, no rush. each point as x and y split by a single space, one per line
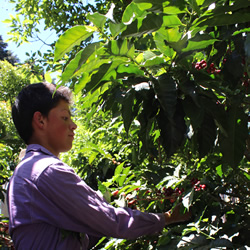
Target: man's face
59 129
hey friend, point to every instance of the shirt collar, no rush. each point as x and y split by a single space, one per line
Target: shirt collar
38 148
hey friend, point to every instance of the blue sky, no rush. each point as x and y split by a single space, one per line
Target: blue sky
49 36
6 9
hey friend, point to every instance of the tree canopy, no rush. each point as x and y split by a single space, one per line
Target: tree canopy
6 54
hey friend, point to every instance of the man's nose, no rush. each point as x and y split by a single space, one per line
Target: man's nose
73 125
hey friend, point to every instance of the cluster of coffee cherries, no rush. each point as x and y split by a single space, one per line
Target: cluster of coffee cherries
197 185
203 64
212 70
200 65
165 193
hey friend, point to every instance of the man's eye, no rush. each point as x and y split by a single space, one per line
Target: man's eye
65 118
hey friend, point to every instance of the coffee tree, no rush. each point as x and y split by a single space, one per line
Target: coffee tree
168 86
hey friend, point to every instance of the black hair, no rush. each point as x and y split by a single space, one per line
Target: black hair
40 97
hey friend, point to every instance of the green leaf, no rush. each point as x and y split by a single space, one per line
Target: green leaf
195 7
171 21
130 69
150 23
124 47
164 240
82 82
172 10
148 55
245 30
170 35
72 37
247 175
154 62
116 28
98 76
219 170
173 129
97 19
87 52
193 111
124 176
231 146
225 19
131 51
119 169
206 136
93 65
71 68
162 46
199 42
114 47
166 91
127 109
200 2
131 12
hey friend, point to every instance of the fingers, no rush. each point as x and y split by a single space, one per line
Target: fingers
175 216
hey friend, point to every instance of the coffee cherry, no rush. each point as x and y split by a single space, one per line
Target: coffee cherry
115 193
201 65
168 191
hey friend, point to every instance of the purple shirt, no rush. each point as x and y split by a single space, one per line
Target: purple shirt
45 196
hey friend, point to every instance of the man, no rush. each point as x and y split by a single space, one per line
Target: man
50 207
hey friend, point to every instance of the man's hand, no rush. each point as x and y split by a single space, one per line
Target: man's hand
175 216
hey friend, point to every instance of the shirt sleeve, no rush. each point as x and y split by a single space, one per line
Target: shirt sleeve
71 204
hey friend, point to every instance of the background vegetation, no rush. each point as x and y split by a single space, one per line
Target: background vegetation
162 107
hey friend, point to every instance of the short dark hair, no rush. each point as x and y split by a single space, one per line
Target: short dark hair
40 97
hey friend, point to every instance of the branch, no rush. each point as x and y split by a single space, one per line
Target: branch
43 41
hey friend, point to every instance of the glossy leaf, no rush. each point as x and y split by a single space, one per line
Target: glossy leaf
173 130
166 91
225 19
124 47
199 42
115 47
76 63
162 45
82 82
155 62
236 127
97 19
87 52
127 109
71 67
71 38
171 10
116 28
119 169
124 175
131 12
171 21
98 76
150 23
130 69
206 136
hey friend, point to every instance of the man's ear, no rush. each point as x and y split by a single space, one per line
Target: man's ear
38 120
